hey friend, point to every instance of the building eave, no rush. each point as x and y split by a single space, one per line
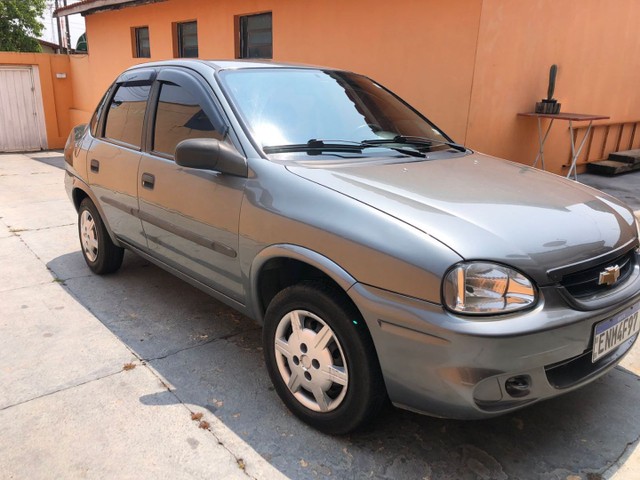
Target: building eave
87 7
45 43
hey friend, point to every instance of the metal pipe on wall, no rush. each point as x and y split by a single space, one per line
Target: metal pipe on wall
68 30
58 24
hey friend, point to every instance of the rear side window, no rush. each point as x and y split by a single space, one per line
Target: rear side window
93 124
179 116
126 114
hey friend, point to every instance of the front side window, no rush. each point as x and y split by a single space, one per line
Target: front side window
179 116
125 114
256 36
187 39
142 48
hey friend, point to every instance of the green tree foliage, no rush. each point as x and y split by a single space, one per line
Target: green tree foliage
20 25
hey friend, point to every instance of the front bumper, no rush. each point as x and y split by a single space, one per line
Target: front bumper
449 366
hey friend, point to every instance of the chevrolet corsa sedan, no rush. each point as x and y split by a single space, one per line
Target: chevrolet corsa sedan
382 259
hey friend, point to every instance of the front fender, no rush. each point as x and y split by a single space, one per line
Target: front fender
294 252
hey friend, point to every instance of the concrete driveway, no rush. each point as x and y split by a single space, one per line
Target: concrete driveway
100 377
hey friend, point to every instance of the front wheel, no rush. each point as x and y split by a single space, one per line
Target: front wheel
321 359
100 253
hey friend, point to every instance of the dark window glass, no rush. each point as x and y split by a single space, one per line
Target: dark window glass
179 116
126 114
188 40
256 38
93 124
143 49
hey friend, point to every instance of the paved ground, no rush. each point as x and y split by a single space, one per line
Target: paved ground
625 187
69 408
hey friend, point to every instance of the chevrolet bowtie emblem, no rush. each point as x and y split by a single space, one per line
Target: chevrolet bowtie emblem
609 276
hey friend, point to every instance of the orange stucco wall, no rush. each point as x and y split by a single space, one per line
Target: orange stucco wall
430 63
87 87
56 92
595 44
470 65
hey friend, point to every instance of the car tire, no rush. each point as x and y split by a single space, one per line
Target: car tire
100 253
326 371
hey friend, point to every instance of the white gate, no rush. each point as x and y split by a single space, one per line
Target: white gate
22 126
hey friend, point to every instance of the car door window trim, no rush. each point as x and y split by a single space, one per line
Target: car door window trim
130 78
105 116
201 92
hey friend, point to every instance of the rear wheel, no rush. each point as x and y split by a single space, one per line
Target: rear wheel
321 358
100 253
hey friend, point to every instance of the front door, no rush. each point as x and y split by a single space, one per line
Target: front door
190 217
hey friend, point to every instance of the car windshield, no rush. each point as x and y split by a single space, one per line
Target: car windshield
288 108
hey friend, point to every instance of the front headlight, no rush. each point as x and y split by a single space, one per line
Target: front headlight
480 288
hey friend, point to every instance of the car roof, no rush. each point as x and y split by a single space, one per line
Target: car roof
218 65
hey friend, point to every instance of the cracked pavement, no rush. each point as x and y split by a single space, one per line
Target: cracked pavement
68 408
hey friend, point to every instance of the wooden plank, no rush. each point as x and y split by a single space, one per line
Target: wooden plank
629 156
619 136
604 143
610 168
589 142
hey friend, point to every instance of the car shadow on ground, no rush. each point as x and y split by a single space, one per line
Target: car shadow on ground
53 158
212 358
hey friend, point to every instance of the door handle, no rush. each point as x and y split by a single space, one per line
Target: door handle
148 181
95 165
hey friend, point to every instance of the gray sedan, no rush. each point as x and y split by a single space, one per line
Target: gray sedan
384 261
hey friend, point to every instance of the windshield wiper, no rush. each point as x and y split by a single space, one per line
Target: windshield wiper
316 147
422 141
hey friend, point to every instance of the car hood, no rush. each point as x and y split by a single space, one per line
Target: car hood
485 208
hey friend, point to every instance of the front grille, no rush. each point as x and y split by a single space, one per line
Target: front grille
584 283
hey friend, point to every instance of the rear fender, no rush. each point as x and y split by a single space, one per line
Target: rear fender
74 143
79 190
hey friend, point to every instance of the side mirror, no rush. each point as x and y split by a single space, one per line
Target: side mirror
211 154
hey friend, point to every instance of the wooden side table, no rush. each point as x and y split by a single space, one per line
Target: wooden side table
570 117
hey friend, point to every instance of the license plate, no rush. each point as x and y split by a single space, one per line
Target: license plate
613 332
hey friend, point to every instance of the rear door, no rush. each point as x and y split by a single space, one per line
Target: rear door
114 155
190 217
